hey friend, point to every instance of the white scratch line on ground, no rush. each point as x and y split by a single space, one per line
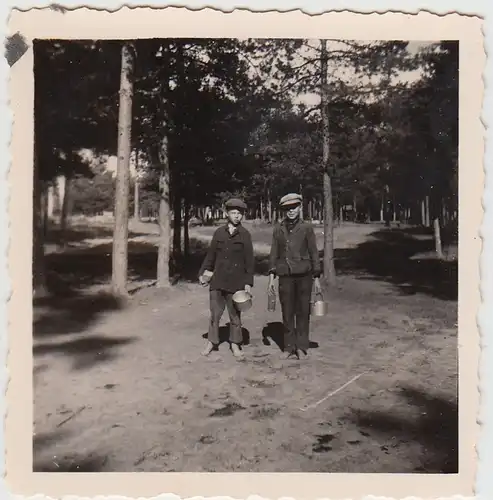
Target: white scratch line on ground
333 393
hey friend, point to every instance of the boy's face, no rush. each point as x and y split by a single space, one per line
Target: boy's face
235 216
293 211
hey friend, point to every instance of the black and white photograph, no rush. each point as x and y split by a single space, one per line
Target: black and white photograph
245 255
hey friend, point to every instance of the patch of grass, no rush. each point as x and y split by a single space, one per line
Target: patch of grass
265 413
227 410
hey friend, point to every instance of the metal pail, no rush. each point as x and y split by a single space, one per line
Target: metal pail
319 307
242 300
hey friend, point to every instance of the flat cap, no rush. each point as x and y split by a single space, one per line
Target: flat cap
233 203
290 199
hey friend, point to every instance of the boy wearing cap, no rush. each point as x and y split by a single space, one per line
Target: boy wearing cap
294 259
230 259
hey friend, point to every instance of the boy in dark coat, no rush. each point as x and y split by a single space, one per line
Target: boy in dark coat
230 260
294 259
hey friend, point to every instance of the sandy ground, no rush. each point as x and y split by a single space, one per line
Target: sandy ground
125 389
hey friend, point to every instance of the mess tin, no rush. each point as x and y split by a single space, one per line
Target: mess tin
242 300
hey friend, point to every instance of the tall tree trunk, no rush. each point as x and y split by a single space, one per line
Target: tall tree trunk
122 188
303 203
45 204
57 197
176 216
163 279
65 212
50 200
39 276
382 206
438 238
427 213
186 223
329 268
137 199
423 212
136 188
269 206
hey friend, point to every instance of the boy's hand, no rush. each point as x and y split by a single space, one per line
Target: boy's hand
317 286
248 289
203 280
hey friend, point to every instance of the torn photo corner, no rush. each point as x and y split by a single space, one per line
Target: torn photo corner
131 129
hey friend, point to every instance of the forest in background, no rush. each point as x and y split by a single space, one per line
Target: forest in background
207 119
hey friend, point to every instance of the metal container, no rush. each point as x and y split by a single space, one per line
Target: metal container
243 300
319 306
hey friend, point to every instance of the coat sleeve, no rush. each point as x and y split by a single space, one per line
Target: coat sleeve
249 259
274 252
313 250
210 259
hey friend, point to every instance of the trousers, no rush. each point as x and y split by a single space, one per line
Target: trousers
294 296
219 300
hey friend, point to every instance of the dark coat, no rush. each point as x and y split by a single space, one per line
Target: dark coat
231 259
294 250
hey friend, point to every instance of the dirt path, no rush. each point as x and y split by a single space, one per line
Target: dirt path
129 392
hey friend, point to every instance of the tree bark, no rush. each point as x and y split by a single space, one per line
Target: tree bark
186 233
176 216
427 213
136 199
64 215
269 206
136 188
438 238
122 188
163 279
39 275
45 207
329 268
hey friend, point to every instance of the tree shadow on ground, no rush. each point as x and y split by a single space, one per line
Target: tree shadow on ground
48 439
390 256
73 463
85 352
224 335
71 271
275 331
77 234
54 315
437 429
75 270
